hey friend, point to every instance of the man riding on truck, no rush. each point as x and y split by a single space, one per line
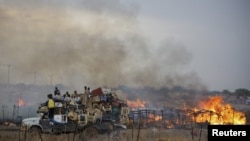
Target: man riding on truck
51 107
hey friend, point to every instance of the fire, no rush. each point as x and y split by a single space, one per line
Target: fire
168 124
20 102
215 111
136 104
155 117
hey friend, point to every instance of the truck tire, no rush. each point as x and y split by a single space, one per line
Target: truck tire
34 134
89 133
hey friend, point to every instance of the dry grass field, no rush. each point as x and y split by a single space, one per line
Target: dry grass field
150 134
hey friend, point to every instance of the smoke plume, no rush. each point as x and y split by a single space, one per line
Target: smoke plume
82 42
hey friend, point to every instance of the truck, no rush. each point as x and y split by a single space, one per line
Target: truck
96 116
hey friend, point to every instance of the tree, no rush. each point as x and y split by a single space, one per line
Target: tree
242 92
226 92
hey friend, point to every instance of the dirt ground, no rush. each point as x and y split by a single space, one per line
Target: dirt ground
149 134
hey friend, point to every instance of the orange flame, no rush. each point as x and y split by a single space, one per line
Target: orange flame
215 111
20 102
154 117
136 104
168 124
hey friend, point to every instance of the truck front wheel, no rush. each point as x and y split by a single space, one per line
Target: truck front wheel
34 134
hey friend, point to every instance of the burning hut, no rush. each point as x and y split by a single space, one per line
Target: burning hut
215 111
211 111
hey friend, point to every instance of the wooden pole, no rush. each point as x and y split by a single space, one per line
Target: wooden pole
200 133
233 116
8 73
132 131
138 134
3 112
13 114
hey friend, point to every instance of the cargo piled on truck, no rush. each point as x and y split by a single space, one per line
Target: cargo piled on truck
87 114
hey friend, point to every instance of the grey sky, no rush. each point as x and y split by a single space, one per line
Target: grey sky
217 33
195 44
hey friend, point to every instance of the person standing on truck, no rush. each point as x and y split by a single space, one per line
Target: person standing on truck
51 107
57 91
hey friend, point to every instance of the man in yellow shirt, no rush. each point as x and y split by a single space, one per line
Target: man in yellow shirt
51 107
